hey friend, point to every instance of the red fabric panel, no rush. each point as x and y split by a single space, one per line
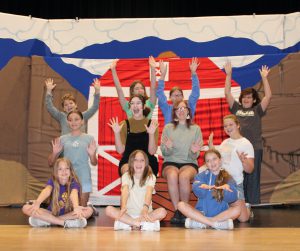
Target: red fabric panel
209 113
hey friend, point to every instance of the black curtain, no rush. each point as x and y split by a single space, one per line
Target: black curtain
61 9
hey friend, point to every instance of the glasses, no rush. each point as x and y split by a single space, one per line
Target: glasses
181 109
177 95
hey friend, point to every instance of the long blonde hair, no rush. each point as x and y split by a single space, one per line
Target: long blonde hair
147 171
55 192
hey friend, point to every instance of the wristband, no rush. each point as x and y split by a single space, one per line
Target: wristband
145 205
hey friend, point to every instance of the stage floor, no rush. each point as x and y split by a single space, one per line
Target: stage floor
264 217
272 228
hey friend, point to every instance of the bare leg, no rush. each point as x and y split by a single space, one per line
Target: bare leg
186 174
233 212
125 218
158 214
193 213
84 199
87 212
46 215
245 212
170 173
43 214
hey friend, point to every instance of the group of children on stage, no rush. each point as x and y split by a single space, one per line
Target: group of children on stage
220 187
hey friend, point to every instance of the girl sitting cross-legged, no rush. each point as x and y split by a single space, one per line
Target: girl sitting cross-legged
136 197
215 189
64 209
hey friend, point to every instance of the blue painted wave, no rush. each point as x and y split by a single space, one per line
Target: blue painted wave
79 78
10 48
182 47
249 75
142 48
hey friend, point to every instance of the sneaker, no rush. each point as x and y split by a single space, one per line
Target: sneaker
189 223
35 222
177 218
118 225
248 205
150 226
75 223
95 212
223 225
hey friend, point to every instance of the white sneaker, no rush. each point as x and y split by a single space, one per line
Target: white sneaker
150 226
75 223
189 223
118 225
35 222
248 205
224 225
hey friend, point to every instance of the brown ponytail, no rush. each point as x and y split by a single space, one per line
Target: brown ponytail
222 179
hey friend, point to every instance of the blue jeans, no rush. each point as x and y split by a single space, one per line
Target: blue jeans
252 180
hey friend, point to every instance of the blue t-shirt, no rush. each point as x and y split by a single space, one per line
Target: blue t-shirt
62 198
75 149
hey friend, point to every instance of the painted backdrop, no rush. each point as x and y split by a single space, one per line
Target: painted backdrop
73 52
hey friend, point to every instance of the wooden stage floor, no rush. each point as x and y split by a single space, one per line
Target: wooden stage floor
273 228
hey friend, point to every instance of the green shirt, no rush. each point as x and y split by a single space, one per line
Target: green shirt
182 138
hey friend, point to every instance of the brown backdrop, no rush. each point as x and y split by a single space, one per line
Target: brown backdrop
27 130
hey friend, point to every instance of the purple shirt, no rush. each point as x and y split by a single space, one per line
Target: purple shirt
62 194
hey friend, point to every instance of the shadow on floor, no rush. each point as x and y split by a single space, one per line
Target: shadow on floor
269 216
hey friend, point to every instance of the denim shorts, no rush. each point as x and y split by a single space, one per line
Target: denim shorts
240 191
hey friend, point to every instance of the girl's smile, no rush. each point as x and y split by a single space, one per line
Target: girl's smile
182 111
75 122
230 127
63 173
136 106
139 164
247 101
69 106
213 162
139 89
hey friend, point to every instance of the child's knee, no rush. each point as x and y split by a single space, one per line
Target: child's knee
25 209
108 211
181 205
243 219
162 213
89 212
